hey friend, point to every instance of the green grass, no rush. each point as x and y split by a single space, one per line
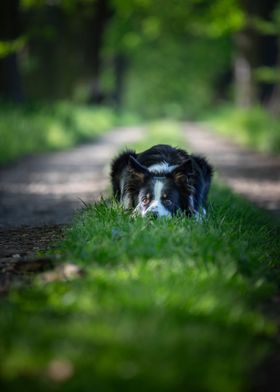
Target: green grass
37 128
170 305
253 127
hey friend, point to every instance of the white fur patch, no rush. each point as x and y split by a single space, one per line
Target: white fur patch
191 202
124 196
162 167
122 185
156 205
200 216
157 190
126 201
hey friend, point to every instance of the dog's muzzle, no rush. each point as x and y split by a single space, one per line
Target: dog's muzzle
156 210
152 214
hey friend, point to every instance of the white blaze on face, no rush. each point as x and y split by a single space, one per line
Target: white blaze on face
156 204
158 186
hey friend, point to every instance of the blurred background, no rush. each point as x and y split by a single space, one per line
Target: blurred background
174 305
215 60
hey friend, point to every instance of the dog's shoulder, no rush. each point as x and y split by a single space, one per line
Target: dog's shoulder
201 165
118 169
121 161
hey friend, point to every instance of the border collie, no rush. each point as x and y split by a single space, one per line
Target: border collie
161 181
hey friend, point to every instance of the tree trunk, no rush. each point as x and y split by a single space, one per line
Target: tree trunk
120 66
94 40
253 49
245 60
10 28
274 102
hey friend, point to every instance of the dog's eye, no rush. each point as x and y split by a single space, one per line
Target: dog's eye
145 201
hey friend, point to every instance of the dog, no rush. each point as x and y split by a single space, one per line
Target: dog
161 182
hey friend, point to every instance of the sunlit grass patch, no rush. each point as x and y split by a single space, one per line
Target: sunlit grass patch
163 132
250 127
164 304
37 128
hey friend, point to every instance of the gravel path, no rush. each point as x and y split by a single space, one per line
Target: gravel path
44 191
47 189
251 174
40 194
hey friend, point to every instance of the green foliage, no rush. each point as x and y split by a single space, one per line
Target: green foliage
8 47
36 128
251 127
168 304
148 20
162 306
162 131
177 52
176 78
267 74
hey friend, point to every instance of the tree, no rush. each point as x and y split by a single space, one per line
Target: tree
253 47
96 23
274 102
10 31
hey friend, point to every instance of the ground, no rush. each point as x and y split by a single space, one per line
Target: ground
254 175
47 189
39 194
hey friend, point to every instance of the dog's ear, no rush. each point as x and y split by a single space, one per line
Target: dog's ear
183 172
137 169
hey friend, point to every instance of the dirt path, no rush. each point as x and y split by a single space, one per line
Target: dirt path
251 174
40 194
47 189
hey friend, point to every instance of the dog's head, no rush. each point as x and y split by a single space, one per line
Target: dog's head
160 194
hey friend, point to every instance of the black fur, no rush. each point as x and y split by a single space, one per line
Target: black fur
187 184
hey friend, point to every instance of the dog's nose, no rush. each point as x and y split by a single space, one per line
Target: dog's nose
153 214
